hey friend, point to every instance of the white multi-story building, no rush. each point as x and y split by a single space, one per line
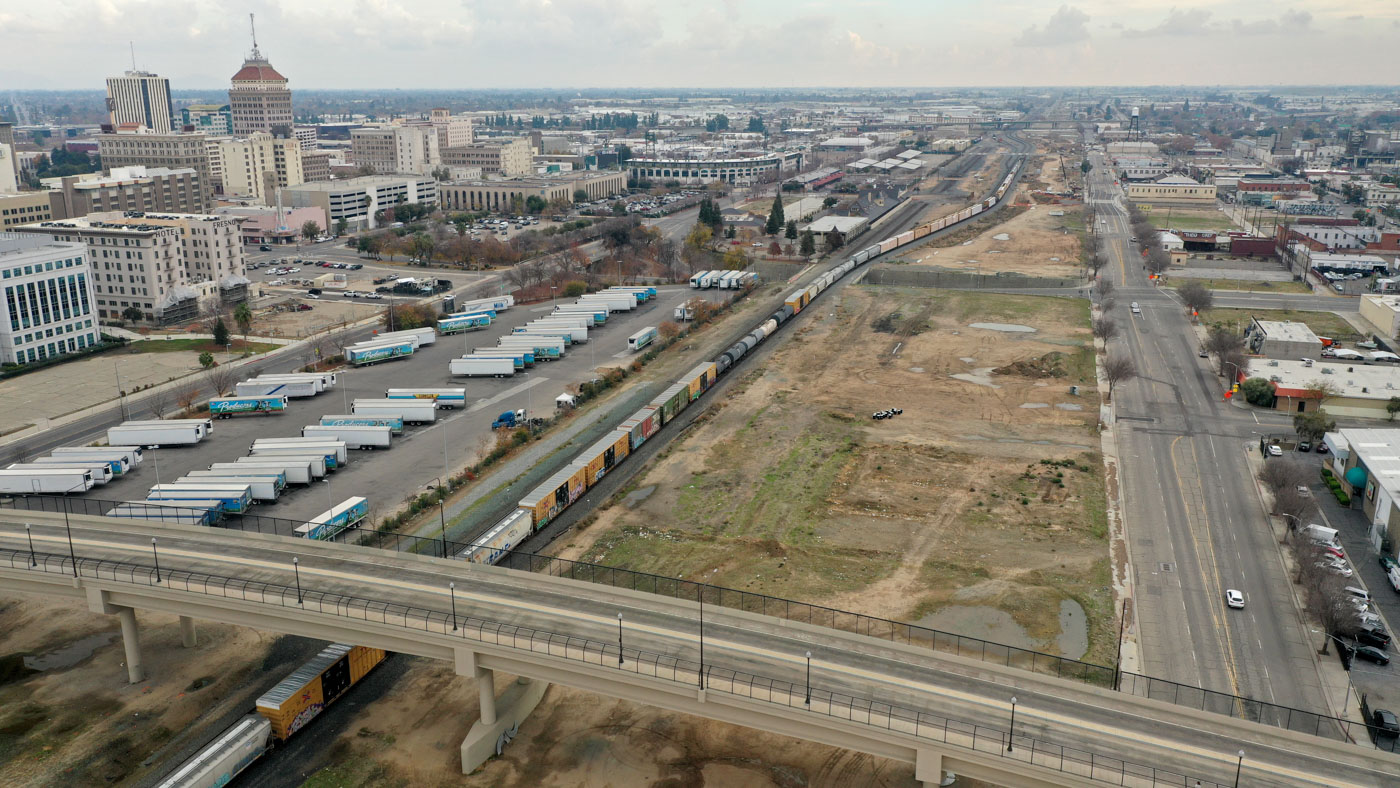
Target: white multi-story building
258 166
409 150
306 136
142 98
357 200
48 303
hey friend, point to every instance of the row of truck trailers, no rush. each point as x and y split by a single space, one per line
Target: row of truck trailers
547 500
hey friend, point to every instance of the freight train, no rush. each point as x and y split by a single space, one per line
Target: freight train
555 494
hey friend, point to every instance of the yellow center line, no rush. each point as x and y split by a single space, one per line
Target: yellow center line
932 690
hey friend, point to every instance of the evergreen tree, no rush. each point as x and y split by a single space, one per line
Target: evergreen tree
775 216
791 233
220 332
808 244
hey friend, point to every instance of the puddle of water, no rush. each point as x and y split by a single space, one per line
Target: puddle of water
1034 405
1001 237
1011 328
981 376
71 654
1068 406
638 495
1074 630
986 623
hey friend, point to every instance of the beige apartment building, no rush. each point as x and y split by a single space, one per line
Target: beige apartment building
125 189
1173 188
24 208
258 166
510 195
453 131
410 150
508 158
170 266
140 148
315 165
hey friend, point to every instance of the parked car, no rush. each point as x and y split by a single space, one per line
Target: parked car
304 307
1335 567
1372 654
1275 451
1304 446
1234 599
1367 345
264 248
1321 448
1373 636
1303 491
1387 563
1384 723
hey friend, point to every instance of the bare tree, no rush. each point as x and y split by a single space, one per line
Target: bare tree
1234 361
1221 340
221 378
339 340
1196 296
1105 328
1117 369
1283 474
1158 260
1293 505
158 401
1327 598
186 392
1105 288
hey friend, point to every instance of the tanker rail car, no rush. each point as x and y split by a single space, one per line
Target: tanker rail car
545 503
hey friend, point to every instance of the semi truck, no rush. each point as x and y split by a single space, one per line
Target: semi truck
288 459
641 339
373 353
232 498
644 293
481 367
263 488
424 336
206 424
131 456
576 334
394 423
274 387
294 471
615 302
182 512
116 463
494 304
101 471
235 471
327 524
524 354
412 411
598 314
456 324
45 480
564 332
547 348
333 445
155 435
356 437
224 407
445 398
516 359
509 419
324 381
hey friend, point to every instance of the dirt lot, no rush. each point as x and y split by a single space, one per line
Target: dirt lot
985 517
1324 324
1033 242
331 310
578 739
80 723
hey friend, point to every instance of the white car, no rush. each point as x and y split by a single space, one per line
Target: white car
1234 599
374 295
1275 450
1341 569
293 270
277 282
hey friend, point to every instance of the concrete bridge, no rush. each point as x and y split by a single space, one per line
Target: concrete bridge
938 711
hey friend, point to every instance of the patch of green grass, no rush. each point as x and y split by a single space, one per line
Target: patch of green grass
1162 219
1325 324
355 770
1247 286
237 346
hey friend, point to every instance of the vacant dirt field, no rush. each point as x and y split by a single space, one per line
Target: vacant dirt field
1033 243
980 510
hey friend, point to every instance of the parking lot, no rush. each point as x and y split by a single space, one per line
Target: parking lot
419 455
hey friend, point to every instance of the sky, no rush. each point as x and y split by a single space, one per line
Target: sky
61 44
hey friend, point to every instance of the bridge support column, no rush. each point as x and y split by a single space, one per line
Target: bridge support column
131 639
500 717
188 638
928 768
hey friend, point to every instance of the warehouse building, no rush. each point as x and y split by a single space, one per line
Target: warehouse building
1282 339
1363 388
1371 471
1172 189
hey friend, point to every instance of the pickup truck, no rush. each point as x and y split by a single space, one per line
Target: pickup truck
509 419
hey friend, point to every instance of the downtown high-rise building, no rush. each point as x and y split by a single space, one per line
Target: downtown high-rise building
141 98
259 98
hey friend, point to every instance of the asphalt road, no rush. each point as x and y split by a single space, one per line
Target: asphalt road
940 685
1194 522
388 477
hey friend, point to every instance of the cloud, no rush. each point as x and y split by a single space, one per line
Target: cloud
1188 22
1289 21
1068 25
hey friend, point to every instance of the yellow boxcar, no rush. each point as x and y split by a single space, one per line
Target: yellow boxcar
602 456
546 501
701 378
298 698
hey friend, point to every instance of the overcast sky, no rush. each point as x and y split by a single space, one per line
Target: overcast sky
720 43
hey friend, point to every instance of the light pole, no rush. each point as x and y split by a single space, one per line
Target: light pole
1239 765
442 516
619 638
69 528
1011 732
452 591
33 562
330 501
552 288
121 400
156 556
296 567
701 596
808 700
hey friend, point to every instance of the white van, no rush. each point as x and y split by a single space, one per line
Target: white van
1137 310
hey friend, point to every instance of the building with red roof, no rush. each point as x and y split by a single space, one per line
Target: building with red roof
259 98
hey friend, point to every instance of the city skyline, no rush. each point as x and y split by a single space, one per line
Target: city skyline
628 43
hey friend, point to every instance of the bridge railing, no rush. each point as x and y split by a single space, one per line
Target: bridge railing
1293 719
807 697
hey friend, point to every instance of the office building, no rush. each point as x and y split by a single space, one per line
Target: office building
507 158
396 149
48 303
9 170
256 167
1172 189
509 196
7 134
171 267
259 97
24 208
452 131
316 165
749 170
125 189
138 148
216 119
357 200
306 136
141 98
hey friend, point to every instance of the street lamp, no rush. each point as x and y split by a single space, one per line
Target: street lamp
1011 732
73 556
33 562
700 679
296 567
330 501
156 556
1238 766
619 638
452 591
442 516
808 700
